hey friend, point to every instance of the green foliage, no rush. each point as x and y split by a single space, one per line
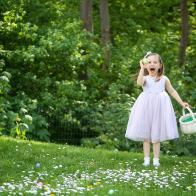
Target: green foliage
22 120
15 119
28 111
4 89
111 119
69 111
185 145
56 69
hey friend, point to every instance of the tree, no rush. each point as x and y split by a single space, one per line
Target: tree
86 17
105 31
86 14
184 34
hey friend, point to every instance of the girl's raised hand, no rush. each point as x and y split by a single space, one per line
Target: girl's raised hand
143 63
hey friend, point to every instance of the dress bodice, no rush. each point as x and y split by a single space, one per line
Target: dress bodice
152 86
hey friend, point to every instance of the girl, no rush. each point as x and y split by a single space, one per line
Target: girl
152 117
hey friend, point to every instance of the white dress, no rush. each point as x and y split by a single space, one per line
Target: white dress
152 116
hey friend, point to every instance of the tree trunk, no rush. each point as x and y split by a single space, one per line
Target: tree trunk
86 17
105 31
86 14
184 33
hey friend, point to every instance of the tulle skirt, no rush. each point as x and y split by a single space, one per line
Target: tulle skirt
152 118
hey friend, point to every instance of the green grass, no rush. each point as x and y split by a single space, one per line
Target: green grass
70 170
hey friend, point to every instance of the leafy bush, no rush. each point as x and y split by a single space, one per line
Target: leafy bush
185 145
68 112
4 89
15 119
111 119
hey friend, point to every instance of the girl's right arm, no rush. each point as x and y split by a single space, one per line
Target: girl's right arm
140 78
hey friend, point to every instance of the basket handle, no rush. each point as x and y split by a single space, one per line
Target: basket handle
183 111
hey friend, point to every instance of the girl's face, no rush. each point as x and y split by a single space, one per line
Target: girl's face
153 64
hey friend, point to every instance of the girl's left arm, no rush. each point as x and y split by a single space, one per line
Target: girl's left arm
174 94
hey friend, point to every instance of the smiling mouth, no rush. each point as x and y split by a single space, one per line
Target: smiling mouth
152 69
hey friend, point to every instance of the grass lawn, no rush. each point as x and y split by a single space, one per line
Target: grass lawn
35 168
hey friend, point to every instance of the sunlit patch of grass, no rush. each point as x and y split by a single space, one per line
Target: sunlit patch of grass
36 168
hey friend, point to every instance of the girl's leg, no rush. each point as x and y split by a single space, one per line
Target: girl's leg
146 147
156 151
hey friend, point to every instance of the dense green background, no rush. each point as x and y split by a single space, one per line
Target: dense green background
44 51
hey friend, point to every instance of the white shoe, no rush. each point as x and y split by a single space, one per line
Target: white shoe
146 161
156 162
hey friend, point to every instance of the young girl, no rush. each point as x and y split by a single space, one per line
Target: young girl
152 118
